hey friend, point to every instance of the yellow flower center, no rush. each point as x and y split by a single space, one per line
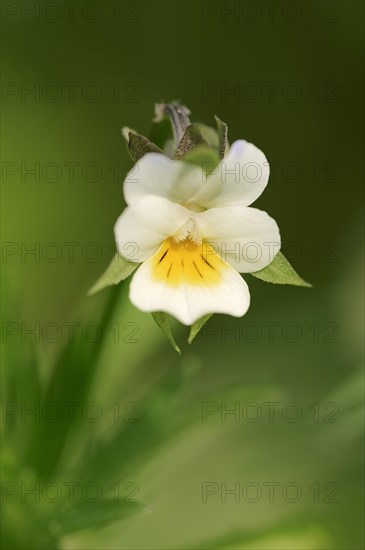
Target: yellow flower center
187 262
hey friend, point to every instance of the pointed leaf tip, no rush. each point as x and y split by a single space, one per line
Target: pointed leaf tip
280 272
163 321
197 326
118 270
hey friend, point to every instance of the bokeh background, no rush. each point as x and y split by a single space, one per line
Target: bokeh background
286 76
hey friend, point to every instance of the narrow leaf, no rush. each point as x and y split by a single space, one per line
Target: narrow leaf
118 270
280 272
222 136
139 145
162 320
197 326
89 515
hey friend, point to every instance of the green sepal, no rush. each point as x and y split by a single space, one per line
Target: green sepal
139 145
118 270
163 321
197 134
209 135
280 272
203 156
191 138
197 326
222 136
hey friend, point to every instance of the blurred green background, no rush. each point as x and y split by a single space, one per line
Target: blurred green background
298 95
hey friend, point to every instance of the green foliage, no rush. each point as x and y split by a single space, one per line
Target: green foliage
118 270
168 439
35 451
197 326
163 320
285 535
93 515
280 272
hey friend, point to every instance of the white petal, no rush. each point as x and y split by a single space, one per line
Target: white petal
141 229
156 174
245 237
240 178
181 282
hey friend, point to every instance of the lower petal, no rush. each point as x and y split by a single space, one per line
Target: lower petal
185 281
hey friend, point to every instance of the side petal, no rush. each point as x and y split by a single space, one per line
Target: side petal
179 281
141 229
245 237
240 178
156 174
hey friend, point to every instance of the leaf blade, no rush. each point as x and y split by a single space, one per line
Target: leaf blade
280 272
118 270
197 326
163 321
93 515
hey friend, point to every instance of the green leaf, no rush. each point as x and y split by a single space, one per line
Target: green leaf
93 515
139 145
204 156
118 270
163 320
197 326
280 272
222 136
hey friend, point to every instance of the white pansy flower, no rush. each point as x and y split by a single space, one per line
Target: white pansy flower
196 233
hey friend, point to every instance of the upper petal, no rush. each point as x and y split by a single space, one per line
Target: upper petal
156 174
245 237
141 228
240 178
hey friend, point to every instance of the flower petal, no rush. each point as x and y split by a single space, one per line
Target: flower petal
156 174
240 178
180 281
245 237
141 229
